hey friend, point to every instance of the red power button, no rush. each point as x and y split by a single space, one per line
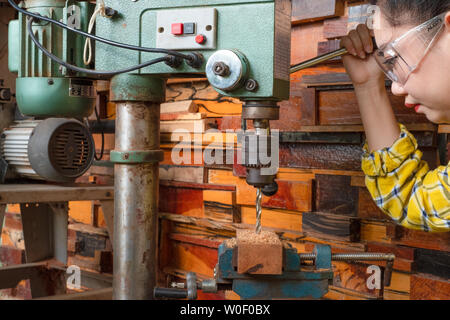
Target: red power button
200 39
177 29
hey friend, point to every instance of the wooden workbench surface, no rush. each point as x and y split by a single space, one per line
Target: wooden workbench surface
32 193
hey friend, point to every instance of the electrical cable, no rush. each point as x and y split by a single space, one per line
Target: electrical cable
87 52
91 36
103 137
83 70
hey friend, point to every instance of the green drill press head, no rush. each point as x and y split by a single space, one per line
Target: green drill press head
245 44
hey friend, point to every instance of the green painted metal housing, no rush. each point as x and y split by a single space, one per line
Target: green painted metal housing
44 88
260 29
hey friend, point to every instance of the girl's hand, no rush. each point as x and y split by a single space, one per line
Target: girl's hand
360 63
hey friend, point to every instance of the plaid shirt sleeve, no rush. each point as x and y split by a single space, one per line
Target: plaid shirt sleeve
405 188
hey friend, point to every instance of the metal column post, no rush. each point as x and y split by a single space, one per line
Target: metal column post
136 157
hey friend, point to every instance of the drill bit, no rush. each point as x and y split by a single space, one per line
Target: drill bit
258 210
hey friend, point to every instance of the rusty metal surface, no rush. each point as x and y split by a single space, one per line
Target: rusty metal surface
136 203
44 278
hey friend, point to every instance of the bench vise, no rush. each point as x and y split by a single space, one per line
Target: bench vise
304 275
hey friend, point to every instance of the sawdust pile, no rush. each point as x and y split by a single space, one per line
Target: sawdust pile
265 237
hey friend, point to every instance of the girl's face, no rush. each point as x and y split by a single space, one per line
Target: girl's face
428 87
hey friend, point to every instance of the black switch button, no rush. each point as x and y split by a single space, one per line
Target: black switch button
189 28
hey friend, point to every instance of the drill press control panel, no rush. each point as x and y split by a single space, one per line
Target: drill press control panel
186 29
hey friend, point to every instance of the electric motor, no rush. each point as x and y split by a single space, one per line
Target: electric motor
55 149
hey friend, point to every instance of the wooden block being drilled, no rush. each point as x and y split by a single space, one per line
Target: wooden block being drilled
259 254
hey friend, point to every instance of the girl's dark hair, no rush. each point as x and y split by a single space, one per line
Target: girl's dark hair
400 12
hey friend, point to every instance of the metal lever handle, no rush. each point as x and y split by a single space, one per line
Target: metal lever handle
312 62
322 58
190 293
170 293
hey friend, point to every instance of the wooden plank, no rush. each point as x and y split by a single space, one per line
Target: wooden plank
196 126
81 211
219 205
334 194
444 128
308 11
400 282
183 201
331 226
195 258
299 110
321 156
295 195
307 33
220 108
425 287
432 262
182 116
272 218
34 193
219 230
328 79
191 185
181 173
419 239
100 294
341 107
374 231
309 107
196 240
359 128
358 181
179 106
338 293
335 27
393 295
213 228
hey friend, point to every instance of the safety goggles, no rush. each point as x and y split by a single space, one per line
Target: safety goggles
401 57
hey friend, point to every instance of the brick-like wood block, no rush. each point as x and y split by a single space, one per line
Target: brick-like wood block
307 11
426 287
259 254
320 156
334 194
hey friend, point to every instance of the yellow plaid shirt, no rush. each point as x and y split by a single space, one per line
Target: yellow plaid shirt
405 188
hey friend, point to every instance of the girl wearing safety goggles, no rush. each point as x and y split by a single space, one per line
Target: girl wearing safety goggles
413 39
